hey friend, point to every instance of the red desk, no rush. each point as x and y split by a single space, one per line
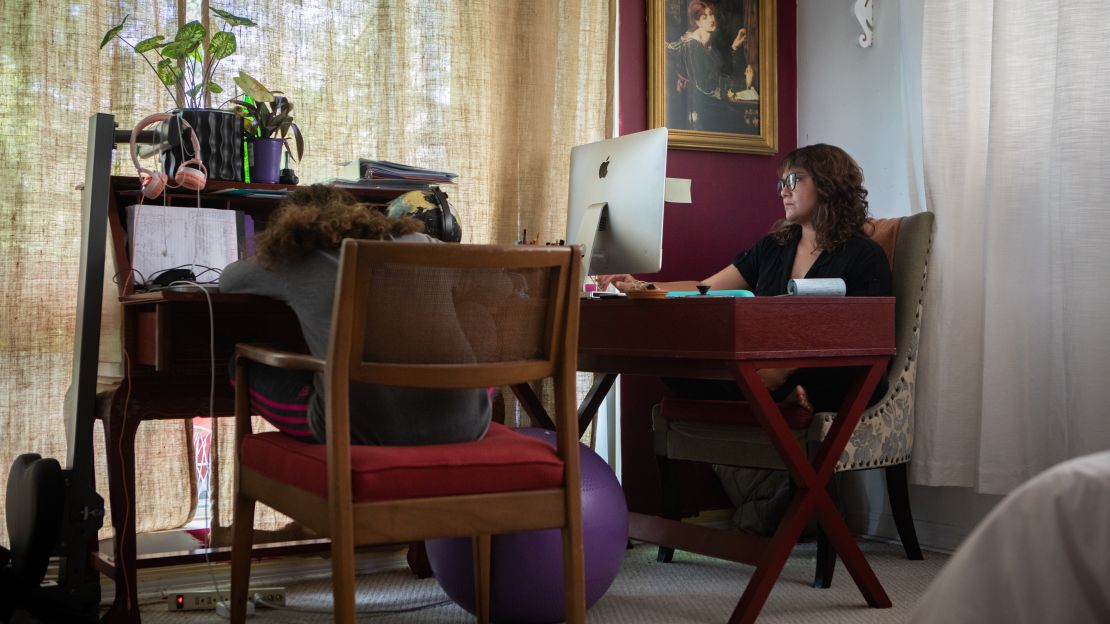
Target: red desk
731 338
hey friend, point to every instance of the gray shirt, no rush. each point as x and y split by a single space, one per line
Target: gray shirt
385 415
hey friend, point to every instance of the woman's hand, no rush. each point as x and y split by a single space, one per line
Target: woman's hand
619 281
741 35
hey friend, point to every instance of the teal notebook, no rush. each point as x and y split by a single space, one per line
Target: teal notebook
712 293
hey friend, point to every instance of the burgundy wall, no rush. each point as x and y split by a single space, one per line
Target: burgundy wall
734 204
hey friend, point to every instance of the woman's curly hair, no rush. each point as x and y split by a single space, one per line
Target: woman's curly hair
841 198
320 217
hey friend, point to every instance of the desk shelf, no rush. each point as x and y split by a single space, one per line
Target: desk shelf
124 191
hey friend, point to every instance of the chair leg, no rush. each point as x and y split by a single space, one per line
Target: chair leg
668 480
480 549
241 544
574 572
343 577
826 554
826 561
898 492
417 558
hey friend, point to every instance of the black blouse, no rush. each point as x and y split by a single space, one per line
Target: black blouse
860 262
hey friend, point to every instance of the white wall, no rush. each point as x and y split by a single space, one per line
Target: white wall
852 97
866 100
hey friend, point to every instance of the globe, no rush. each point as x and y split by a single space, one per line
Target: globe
422 206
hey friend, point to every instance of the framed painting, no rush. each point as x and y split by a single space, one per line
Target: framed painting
712 74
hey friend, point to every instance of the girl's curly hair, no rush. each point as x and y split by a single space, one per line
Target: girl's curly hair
320 217
841 198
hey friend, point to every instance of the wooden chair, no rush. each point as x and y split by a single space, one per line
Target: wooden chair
727 433
426 316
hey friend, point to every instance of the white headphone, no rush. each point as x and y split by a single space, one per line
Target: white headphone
188 176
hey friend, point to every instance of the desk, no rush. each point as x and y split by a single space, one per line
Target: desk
166 337
731 338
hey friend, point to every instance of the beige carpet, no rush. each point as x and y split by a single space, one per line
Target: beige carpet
691 589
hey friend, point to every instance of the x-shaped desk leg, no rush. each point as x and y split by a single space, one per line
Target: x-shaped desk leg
811 492
586 411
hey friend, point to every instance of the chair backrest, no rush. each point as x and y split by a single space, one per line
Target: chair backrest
909 258
884 435
451 316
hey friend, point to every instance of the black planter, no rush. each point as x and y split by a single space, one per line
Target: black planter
220 133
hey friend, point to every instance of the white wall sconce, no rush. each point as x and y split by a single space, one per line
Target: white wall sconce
863 12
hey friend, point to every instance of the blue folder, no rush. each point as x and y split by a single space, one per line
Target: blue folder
711 293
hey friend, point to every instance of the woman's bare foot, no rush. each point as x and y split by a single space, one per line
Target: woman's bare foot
798 396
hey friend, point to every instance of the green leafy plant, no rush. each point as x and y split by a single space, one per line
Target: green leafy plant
184 60
269 114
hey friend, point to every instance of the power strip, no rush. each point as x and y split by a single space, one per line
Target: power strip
207 599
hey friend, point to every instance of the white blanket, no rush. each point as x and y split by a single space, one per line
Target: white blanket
1041 556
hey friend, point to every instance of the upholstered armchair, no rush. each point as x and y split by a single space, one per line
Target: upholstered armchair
717 432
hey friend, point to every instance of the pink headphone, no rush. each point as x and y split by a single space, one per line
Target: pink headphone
154 182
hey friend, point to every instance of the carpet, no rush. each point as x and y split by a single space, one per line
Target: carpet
690 589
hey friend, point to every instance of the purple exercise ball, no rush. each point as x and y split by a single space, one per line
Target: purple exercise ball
526 575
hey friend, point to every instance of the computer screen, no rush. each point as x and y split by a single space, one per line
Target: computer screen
616 203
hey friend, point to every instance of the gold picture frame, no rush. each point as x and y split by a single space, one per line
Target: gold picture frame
708 99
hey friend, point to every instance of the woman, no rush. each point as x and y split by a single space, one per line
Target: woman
297 262
702 69
821 236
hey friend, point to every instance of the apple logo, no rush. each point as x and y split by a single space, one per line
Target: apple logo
603 170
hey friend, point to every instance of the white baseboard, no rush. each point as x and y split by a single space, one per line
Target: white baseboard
880 526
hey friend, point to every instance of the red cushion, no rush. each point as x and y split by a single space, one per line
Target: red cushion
730 413
502 461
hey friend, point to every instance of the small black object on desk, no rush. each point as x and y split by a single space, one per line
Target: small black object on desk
703 289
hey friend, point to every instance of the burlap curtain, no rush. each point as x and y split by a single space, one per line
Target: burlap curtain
496 90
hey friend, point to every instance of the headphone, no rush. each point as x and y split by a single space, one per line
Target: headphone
449 230
154 182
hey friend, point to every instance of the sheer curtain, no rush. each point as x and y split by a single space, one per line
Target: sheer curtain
496 91
1016 343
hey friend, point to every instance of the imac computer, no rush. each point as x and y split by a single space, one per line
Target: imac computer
616 203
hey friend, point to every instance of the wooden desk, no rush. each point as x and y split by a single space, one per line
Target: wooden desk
731 338
166 336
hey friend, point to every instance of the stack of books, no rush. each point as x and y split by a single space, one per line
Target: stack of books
379 172
364 169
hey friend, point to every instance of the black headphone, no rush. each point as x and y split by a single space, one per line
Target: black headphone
449 229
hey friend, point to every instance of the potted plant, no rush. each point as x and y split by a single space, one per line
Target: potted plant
269 122
186 67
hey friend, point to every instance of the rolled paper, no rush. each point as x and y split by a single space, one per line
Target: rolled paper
822 287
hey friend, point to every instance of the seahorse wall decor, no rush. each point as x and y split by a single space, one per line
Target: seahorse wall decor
862 11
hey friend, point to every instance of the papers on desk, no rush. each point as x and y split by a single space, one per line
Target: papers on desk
248 192
380 185
168 237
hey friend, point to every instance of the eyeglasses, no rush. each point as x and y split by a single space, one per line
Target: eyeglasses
791 180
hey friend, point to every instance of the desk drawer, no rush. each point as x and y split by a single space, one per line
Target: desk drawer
177 337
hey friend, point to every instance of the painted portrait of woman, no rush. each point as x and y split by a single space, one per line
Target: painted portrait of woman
709 66
711 60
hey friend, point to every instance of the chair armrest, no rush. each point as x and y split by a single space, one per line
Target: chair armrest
279 358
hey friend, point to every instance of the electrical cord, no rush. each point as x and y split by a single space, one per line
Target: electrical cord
121 565
258 600
211 416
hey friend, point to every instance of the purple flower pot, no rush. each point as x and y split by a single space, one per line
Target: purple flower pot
265 159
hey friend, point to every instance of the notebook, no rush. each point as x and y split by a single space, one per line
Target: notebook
203 240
